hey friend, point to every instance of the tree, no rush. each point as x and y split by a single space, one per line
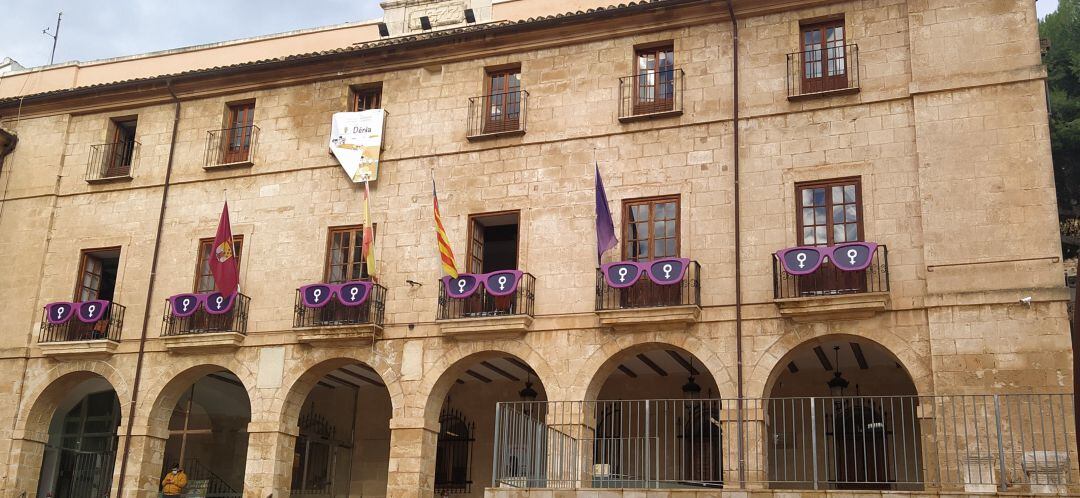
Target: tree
1062 30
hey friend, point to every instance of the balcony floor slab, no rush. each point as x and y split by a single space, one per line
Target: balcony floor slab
838 307
79 349
626 317
197 343
485 327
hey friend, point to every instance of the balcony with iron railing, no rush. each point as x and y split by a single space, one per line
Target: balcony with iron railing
483 314
78 337
497 115
111 161
824 71
231 147
203 329
337 322
651 94
1015 443
643 299
830 290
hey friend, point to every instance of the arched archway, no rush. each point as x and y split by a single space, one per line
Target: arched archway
466 396
83 414
341 408
847 406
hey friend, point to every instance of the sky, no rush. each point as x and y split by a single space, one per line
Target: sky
110 28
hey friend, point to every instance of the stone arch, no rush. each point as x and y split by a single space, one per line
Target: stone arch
164 395
301 379
599 366
48 390
441 376
764 373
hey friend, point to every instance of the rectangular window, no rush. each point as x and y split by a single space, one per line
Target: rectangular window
239 126
121 148
655 79
830 212
365 98
344 255
651 228
204 279
97 274
493 242
503 101
824 64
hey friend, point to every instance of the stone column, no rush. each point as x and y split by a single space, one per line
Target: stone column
142 477
412 459
269 460
27 451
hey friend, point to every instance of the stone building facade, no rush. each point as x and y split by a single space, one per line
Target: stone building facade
917 125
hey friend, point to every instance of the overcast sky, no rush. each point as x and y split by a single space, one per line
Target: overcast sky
110 28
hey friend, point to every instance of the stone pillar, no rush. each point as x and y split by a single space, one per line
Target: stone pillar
142 477
412 460
269 460
27 451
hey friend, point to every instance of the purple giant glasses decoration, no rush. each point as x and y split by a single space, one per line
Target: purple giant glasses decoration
851 256
215 303
87 311
497 283
348 293
624 274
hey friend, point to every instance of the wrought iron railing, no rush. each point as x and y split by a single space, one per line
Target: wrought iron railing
74 329
234 145
651 92
830 281
335 313
482 304
647 294
111 160
1024 443
497 113
827 69
215 486
202 322
83 474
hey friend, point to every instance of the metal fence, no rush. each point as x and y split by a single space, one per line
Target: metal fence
482 304
111 160
231 145
830 281
647 294
108 328
335 313
650 92
1021 443
201 322
497 113
821 70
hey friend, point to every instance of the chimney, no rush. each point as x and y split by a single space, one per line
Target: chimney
403 17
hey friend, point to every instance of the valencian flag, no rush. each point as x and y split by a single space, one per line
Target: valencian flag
605 228
446 255
222 259
369 233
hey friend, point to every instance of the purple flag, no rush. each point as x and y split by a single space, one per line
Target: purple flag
605 228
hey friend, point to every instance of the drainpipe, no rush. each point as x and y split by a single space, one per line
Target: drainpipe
738 238
149 291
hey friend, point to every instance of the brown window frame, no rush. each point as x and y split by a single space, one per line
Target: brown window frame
829 204
510 99
84 255
652 202
239 135
353 259
238 249
823 82
471 259
659 101
121 148
369 95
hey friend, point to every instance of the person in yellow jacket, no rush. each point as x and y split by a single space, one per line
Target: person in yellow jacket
174 482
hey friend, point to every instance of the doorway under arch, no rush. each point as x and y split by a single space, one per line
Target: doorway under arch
81 451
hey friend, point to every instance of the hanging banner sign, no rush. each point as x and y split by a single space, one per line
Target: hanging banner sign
87 311
497 283
348 293
624 274
215 303
853 256
356 140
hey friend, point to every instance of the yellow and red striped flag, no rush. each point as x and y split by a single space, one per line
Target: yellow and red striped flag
446 255
369 234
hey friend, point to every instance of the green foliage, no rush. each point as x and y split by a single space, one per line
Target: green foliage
1062 30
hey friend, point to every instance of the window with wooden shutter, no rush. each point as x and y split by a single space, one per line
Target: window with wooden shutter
824 58
655 79
344 255
651 228
204 279
364 98
503 100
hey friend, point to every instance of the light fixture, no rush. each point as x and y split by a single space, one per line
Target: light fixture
383 30
838 383
425 23
528 394
691 389
470 17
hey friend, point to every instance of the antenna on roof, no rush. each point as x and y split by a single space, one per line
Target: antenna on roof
54 35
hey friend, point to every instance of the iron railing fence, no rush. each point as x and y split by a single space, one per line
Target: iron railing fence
497 113
651 92
1017 442
83 474
108 328
112 160
205 483
482 304
234 145
334 313
647 294
822 70
201 322
830 281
